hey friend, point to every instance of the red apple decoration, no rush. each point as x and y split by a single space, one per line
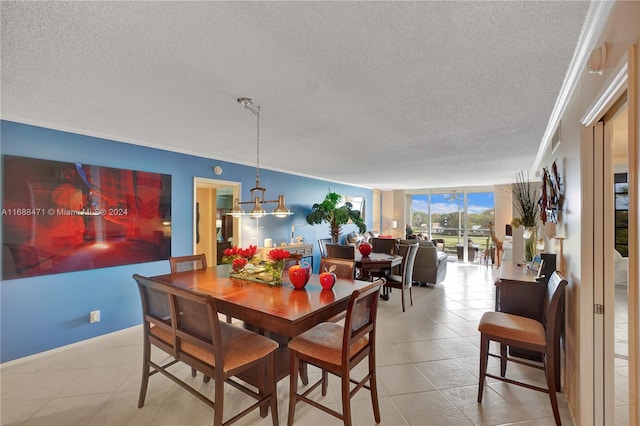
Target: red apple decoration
299 275
327 280
365 249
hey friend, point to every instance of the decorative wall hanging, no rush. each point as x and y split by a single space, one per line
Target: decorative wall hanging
552 195
61 217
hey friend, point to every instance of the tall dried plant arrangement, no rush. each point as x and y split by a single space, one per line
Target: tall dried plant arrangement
525 200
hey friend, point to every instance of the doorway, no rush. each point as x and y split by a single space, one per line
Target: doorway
616 323
614 231
214 230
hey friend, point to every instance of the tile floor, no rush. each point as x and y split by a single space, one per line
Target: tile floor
427 374
621 348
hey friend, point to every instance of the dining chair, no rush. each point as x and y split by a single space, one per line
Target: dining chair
188 263
191 263
337 349
340 251
384 245
404 281
322 243
293 259
344 268
525 333
186 326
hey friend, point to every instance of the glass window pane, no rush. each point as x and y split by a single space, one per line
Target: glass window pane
440 215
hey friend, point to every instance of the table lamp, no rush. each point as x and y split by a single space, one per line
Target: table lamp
393 225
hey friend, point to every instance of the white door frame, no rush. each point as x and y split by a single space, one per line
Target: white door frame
598 188
200 182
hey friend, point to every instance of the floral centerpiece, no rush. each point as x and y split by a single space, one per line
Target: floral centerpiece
525 200
248 264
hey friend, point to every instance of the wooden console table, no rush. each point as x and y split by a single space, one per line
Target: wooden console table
518 293
304 250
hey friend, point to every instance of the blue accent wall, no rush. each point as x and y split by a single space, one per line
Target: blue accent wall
46 312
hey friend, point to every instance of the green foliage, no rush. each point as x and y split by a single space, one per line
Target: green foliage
328 212
525 200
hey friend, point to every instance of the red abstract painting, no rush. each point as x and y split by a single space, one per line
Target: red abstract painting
62 217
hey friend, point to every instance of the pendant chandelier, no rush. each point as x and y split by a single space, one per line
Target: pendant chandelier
258 191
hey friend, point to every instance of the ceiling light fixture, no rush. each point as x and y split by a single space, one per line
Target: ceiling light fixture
257 200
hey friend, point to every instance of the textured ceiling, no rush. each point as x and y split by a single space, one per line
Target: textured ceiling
386 95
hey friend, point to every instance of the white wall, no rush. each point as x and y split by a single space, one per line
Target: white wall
621 31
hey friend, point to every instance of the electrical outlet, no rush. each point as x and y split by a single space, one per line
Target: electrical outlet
94 316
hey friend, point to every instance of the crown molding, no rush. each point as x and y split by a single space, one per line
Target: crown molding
592 29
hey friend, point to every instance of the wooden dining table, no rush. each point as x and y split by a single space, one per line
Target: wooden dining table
377 262
280 312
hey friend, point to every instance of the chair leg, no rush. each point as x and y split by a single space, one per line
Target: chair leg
218 411
484 357
325 382
293 387
373 384
346 399
273 388
503 359
551 385
402 297
410 296
263 386
304 372
205 378
145 374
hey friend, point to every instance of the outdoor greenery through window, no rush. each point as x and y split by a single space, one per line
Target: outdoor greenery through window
455 217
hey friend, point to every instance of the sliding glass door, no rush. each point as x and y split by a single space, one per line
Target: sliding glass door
459 217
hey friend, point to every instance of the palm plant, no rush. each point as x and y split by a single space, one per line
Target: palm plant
336 215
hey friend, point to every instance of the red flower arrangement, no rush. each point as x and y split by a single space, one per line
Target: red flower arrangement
239 263
246 263
277 255
233 253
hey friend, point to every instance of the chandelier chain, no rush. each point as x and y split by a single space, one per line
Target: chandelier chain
257 143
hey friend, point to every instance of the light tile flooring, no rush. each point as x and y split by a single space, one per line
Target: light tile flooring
621 378
427 363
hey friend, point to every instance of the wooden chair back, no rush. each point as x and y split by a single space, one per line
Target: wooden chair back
384 245
552 308
188 263
340 251
198 324
360 322
344 268
293 259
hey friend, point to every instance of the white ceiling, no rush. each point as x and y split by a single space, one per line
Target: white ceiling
386 95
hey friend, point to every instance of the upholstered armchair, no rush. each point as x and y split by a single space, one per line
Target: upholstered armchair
430 266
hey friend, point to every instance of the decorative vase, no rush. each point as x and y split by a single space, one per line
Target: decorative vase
530 243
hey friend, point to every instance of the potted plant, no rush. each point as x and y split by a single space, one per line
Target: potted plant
330 211
525 200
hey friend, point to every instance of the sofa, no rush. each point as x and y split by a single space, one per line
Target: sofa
430 266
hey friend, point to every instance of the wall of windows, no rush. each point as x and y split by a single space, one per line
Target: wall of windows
458 216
